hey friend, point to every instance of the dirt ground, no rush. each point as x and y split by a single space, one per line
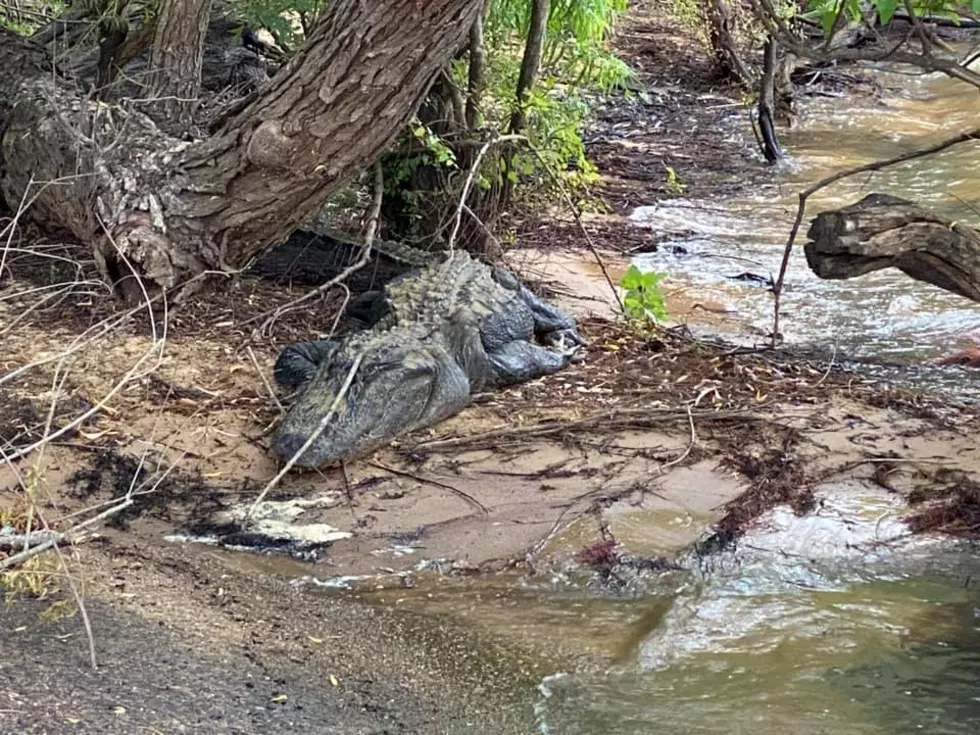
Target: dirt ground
703 434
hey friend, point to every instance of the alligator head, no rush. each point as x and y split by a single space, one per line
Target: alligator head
399 385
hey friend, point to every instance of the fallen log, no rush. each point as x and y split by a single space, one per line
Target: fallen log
883 231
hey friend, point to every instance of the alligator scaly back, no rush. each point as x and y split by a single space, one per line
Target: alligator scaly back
453 327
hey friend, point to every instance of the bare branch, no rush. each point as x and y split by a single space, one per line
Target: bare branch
372 228
321 427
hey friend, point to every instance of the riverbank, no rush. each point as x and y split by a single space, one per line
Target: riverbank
627 458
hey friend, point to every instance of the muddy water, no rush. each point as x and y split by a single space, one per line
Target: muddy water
882 315
838 622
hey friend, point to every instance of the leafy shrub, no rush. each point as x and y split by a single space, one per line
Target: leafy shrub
644 301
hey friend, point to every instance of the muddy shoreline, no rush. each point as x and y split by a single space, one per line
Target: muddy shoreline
694 434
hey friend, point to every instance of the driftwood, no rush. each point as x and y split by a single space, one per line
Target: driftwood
883 231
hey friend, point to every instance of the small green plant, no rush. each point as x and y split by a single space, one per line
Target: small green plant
673 184
644 300
41 576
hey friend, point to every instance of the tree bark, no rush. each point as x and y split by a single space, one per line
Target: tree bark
883 231
728 60
477 78
172 209
177 57
537 29
767 114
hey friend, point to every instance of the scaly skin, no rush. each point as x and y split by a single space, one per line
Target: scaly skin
438 335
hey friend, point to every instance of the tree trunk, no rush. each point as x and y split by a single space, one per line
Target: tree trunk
537 28
728 60
477 78
767 114
173 209
883 231
177 57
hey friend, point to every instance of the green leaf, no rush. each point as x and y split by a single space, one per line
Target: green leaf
886 10
632 278
827 20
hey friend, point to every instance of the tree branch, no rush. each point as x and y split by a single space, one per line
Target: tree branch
833 179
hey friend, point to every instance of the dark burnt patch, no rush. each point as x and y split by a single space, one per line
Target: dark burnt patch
24 419
155 489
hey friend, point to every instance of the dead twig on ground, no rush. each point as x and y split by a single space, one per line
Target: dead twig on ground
70 536
21 541
606 420
265 380
690 445
435 483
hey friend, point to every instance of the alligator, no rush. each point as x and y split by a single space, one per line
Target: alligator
314 256
425 342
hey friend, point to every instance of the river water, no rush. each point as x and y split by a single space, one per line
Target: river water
837 622
884 315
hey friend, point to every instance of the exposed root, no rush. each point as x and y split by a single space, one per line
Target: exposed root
952 509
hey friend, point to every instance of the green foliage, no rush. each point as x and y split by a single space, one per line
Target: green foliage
575 59
434 145
27 23
827 11
24 29
687 12
644 300
673 184
286 20
555 115
575 45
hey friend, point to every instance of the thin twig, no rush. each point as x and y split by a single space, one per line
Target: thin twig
80 603
606 419
98 407
690 445
372 227
435 483
577 214
102 328
21 541
265 380
312 438
830 366
16 559
469 181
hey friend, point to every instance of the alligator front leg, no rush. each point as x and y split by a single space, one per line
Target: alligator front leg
298 362
553 326
520 361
